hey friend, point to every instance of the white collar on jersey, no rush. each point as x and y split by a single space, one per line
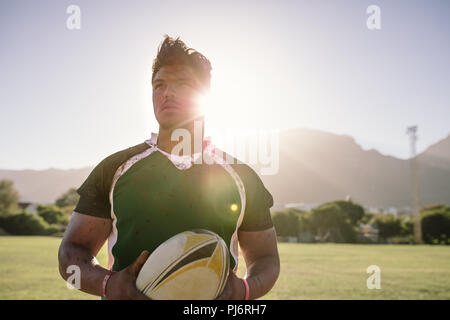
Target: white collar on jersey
181 162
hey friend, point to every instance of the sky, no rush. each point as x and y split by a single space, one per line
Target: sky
71 97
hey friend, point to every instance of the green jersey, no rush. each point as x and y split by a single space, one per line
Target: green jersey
151 195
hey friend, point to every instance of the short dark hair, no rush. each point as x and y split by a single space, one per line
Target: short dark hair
174 51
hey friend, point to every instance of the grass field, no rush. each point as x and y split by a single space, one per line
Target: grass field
29 270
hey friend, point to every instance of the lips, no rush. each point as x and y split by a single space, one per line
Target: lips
169 105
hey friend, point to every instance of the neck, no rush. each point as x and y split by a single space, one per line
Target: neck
195 130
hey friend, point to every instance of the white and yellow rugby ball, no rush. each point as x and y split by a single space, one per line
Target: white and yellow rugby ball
192 265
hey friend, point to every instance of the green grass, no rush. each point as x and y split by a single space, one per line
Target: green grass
338 271
29 270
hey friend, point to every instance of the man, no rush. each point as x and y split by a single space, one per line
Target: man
141 196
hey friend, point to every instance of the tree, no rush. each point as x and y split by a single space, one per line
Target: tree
330 223
9 197
368 216
354 211
286 223
433 207
70 198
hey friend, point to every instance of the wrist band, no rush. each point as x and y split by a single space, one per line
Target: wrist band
247 289
105 281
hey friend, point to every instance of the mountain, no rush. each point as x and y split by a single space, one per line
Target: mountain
437 155
317 166
45 186
314 167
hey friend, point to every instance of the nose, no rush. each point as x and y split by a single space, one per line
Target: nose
169 91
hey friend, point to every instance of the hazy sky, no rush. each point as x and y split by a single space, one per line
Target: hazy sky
69 98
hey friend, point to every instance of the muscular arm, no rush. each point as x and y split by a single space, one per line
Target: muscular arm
83 239
260 252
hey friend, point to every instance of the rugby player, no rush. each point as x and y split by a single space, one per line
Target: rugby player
141 196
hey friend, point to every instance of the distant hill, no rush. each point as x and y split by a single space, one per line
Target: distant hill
317 166
314 167
437 155
45 186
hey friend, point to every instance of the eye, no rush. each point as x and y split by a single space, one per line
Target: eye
185 82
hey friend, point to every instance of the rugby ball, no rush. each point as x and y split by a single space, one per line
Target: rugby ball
192 265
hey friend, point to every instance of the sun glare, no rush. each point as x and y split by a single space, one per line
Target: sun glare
236 103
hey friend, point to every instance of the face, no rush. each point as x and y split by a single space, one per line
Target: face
176 93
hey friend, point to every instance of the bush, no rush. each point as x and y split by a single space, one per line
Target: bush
407 227
53 214
388 225
436 226
26 223
52 229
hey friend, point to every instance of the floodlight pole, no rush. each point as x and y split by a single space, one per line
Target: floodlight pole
411 131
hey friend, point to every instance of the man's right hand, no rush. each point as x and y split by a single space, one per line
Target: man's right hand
122 284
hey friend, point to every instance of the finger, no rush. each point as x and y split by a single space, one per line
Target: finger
231 275
139 262
221 297
136 295
224 296
226 293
